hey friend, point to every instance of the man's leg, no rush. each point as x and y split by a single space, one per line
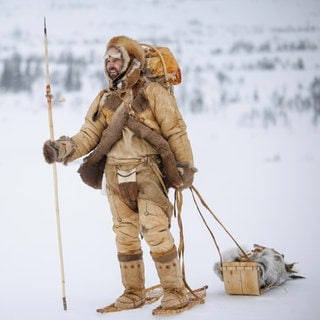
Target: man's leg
128 243
155 229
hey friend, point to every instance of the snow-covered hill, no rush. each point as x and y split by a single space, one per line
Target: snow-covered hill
260 56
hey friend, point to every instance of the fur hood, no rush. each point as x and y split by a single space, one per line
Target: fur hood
133 56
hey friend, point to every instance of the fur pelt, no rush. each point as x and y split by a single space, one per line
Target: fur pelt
113 133
92 168
274 270
92 173
112 101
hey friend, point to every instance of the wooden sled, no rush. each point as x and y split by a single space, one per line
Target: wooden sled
241 278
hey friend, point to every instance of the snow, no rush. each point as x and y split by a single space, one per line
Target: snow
263 183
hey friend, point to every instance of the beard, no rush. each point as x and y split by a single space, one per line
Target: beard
113 73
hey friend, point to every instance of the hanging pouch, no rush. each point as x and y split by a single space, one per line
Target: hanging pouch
128 187
92 173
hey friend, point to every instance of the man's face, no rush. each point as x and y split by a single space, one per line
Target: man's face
114 63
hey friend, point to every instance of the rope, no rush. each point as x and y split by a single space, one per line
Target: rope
162 61
205 223
195 191
178 202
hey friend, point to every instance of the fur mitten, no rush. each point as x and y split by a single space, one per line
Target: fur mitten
58 150
187 174
50 151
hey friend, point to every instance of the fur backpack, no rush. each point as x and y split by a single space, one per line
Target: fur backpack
161 66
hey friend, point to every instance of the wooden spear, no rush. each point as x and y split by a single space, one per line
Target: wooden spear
54 166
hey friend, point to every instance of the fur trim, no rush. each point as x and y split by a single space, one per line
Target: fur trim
140 103
124 55
131 77
112 101
133 56
133 47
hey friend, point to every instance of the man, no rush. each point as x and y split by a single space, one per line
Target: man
135 181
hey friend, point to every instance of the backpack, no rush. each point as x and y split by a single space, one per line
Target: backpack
161 66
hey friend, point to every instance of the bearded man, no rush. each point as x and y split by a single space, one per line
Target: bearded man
134 177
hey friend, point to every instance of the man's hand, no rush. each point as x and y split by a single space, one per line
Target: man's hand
59 150
51 151
187 174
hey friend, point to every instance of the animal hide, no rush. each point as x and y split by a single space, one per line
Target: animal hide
91 170
91 173
274 270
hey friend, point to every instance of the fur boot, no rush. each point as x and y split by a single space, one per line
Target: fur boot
132 274
171 279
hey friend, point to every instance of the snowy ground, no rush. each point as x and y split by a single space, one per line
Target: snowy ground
262 183
264 186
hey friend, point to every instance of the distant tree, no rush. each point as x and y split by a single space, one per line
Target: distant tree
197 104
315 94
12 78
72 79
33 68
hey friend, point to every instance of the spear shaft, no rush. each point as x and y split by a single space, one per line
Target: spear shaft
54 167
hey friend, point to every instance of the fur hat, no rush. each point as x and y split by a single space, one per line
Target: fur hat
133 47
131 51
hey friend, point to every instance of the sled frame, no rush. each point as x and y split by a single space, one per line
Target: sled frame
241 278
